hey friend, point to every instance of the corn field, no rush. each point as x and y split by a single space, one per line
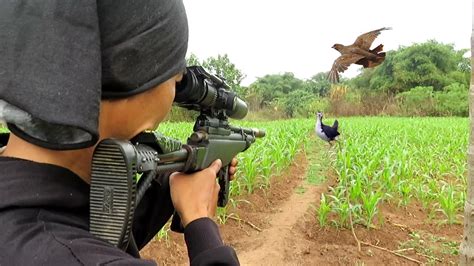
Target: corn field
377 160
398 160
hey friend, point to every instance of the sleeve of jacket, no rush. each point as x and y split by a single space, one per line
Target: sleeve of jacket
203 241
205 246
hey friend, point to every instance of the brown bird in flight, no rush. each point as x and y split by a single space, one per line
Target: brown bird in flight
357 53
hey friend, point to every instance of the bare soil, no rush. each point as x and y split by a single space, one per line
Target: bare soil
279 226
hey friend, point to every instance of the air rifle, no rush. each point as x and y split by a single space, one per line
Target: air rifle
116 189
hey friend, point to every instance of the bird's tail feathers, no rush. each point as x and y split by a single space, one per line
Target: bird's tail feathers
380 58
377 49
372 62
333 76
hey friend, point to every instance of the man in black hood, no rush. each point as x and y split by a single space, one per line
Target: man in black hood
72 73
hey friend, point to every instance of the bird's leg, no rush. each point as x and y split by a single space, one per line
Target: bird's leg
338 144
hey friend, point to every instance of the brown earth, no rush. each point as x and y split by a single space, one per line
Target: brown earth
279 227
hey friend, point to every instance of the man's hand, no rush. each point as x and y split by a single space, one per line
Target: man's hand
195 195
233 168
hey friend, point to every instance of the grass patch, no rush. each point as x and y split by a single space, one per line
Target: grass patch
431 246
300 189
319 160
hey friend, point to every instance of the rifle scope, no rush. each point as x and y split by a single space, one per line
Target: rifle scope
201 91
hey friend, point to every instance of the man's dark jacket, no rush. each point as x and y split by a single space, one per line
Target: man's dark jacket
44 214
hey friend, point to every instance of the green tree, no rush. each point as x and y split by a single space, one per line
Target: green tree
222 67
271 87
318 84
296 102
427 64
193 60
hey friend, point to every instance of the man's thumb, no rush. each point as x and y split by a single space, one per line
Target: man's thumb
216 165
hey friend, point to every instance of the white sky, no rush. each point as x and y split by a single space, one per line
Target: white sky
276 36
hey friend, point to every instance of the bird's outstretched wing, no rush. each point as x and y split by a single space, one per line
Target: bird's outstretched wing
364 41
341 64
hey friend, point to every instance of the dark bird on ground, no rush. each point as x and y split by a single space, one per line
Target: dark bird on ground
326 133
357 53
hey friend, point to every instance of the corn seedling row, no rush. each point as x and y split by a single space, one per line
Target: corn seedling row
399 160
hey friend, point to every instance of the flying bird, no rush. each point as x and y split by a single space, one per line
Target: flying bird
324 132
358 53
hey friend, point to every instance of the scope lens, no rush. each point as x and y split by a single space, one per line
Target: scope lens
239 110
199 91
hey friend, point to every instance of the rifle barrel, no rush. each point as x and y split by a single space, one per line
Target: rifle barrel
177 156
258 133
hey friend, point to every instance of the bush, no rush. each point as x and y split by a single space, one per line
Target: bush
317 104
295 103
453 100
418 101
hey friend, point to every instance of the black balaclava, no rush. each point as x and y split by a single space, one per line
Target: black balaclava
58 57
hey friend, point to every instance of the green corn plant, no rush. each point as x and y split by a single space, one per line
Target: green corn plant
222 214
323 211
369 206
343 209
424 195
405 191
448 203
356 189
249 174
163 234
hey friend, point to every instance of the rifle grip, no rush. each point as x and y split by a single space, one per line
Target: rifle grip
224 183
176 225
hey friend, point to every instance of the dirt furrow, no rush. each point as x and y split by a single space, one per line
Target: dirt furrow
277 240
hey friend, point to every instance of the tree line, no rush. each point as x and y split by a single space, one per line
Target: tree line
428 78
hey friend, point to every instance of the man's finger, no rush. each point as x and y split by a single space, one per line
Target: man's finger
216 165
232 170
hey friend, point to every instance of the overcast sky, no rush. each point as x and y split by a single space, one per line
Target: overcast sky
276 36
